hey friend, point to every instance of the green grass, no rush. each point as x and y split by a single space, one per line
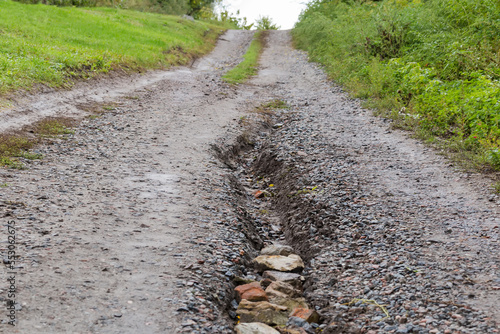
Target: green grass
433 66
54 127
276 104
55 45
249 66
13 147
18 146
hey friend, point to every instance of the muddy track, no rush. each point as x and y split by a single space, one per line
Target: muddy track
141 220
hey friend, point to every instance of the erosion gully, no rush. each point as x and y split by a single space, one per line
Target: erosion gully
277 206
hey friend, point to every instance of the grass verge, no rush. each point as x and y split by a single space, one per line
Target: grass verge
248 67
15 149
53 46
432 66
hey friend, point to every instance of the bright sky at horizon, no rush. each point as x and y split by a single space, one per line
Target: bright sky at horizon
284 13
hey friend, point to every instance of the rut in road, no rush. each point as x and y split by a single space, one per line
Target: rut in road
130 225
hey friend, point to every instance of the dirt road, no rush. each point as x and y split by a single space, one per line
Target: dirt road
131 225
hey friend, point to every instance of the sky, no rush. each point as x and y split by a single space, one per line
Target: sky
284 13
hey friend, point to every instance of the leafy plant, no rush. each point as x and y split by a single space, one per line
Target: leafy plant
266 23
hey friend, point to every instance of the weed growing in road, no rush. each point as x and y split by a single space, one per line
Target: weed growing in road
248 67
496 187
14 147
276 104
269 108
54 127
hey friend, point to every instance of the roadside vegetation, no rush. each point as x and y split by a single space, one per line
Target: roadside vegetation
266 23
249 66
170 7
17 147
432 66
55 45
12 148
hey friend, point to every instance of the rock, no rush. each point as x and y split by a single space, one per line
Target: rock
296 322
292 263
306 314
295 330
242 280
280 289
335 328
295 280
277 249
252 292
289 303
264 312
259 194
255 328
265 283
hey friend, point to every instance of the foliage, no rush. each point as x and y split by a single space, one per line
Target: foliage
234 20
223 17
433 66
55 45
266 23
248 67
197 6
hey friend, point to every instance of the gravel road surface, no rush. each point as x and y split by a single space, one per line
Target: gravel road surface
132 224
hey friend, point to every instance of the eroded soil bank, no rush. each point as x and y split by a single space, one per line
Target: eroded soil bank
132 224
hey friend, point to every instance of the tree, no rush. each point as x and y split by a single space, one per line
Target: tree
173 7
266 23
196 6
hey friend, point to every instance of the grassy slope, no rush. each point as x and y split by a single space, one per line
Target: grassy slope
248 67
432 66
51 45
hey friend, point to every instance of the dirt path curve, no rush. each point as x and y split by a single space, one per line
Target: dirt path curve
129 225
